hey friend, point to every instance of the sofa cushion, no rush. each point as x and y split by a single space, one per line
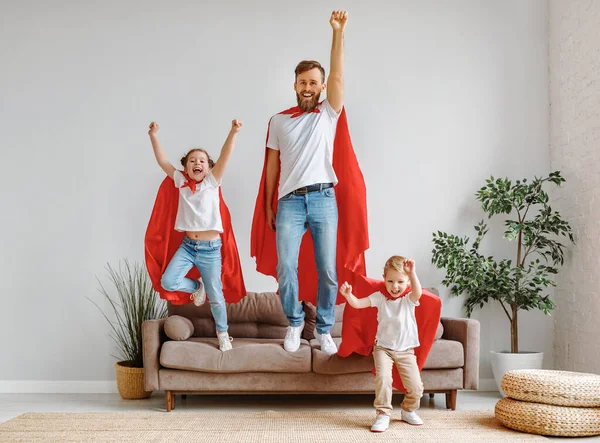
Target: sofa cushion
247 355
440 331
310 318
258 315
445 354
178 327
323 363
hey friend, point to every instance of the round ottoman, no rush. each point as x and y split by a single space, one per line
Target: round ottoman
547 402
559 388
542 419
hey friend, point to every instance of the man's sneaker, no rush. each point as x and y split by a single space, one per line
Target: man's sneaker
224 341
199 297
381 424
291 343
411 418
327 344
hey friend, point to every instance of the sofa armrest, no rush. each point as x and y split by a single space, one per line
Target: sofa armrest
153 336
466 331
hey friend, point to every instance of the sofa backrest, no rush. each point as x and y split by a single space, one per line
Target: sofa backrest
258 315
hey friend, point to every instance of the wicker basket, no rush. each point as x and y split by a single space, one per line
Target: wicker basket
541 419
130 381
560 388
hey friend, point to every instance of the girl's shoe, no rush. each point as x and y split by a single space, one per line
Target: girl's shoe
224 341
199 297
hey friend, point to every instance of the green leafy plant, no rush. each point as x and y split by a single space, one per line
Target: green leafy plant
132 301
518 285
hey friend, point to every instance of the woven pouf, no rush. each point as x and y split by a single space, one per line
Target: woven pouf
560 388
543 419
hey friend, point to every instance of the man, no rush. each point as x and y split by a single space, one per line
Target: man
300 152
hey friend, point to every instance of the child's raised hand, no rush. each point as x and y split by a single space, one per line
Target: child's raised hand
153 128
236 125
409 266
346 290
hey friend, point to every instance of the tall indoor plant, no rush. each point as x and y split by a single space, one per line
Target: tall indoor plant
520 284
132 301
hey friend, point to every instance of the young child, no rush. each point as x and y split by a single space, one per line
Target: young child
198 215
397 336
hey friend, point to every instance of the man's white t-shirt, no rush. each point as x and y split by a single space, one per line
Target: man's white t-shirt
198 211
397 328
305 145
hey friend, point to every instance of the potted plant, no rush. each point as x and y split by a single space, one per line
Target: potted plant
132 301
520 285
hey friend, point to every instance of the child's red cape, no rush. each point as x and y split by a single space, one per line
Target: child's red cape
353 233
162 240
359 326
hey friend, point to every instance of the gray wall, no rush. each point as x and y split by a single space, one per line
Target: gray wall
439 95
574 136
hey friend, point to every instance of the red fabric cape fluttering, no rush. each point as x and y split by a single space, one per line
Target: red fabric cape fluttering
359 326
353 233
162 240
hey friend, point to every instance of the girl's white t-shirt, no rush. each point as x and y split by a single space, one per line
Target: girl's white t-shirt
397 328
198 211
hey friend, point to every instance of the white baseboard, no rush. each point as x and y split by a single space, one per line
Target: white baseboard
110 386
57 387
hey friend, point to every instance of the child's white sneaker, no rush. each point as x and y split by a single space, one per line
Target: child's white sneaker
199 297
224 341
381 424
411 418
291 343
327 344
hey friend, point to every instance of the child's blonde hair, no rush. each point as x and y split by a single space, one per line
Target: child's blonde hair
395 262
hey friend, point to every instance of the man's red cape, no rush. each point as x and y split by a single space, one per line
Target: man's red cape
353 233
162 240
359 326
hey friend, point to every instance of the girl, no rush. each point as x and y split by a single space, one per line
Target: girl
198 215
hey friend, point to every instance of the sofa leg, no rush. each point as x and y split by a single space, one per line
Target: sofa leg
451 400
168 400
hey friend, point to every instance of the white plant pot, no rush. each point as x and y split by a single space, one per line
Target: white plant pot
503 361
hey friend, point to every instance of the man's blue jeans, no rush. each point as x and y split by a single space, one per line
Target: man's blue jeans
318 212
206 256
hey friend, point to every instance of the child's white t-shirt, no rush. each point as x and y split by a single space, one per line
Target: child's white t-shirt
305 145
198 211
397 328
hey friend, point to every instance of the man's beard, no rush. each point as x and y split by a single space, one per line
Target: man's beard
308 105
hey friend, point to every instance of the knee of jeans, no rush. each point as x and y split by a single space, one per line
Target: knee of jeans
169 283
287 269
328 276
217 302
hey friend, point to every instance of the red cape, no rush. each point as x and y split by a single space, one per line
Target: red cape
359 326
353 233
162 240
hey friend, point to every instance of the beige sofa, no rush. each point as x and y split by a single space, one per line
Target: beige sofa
258 364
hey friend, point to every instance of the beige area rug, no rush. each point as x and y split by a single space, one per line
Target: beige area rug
256 427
